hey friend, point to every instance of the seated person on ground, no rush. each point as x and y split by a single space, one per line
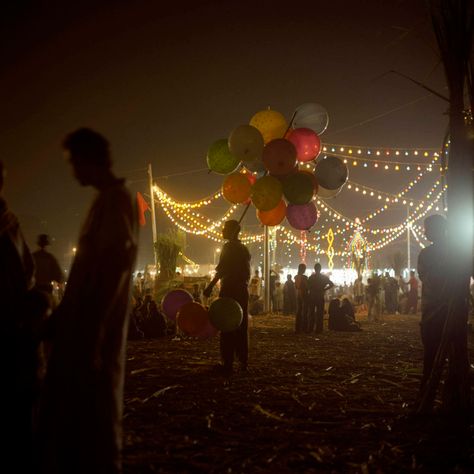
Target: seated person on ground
341 317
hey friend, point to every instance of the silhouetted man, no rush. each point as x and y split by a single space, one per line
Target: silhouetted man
301 286
233 270
82 414
318 284
47 268
16 279
432 265
412 299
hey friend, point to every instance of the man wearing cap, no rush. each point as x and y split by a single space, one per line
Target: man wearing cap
82 411
47 268
233 271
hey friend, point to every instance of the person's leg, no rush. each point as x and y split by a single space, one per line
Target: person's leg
370 309
431 332
319 316
299 315
310 315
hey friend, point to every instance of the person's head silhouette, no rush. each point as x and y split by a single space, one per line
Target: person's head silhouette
435 228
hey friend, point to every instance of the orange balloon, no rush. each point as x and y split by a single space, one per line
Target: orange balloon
236 188
274 216
193 318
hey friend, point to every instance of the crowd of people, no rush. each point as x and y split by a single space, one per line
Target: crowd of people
303 296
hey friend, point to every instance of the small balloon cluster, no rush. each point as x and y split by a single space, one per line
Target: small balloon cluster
262 161
193 319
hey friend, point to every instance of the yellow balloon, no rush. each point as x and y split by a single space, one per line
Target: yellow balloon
272 124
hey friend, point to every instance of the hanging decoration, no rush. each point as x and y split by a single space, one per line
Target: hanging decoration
303 243
330 250
357 252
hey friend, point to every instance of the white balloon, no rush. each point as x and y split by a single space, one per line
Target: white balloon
331 172
312 116
328 193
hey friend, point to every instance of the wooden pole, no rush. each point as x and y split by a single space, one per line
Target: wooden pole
153 215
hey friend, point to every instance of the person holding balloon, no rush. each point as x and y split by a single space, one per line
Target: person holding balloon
233 271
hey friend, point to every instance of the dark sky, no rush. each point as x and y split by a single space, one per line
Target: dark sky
162 82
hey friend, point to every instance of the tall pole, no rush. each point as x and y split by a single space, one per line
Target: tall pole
266 270
153 216
408 241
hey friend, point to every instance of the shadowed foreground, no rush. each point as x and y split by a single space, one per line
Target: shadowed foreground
336 402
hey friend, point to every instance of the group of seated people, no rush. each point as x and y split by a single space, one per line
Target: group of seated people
342 316
146 321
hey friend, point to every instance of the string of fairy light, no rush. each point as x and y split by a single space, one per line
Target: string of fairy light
186 217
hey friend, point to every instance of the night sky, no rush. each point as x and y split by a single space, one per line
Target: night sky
162 82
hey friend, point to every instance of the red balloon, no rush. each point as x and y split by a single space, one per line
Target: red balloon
192 318
208 331
273 216
306 142
279 157
251 177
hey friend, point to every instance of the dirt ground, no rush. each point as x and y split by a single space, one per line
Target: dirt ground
335 402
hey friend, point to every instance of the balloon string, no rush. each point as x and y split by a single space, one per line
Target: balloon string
266 171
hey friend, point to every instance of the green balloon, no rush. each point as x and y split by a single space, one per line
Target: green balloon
225 314
267 193
220 159
298 188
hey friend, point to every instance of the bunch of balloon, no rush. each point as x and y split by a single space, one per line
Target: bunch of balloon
262 159
288 191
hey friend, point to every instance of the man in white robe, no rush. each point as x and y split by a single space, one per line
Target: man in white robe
82 411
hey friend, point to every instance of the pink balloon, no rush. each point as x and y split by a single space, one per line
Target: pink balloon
279 157
302 216
174 300
306 142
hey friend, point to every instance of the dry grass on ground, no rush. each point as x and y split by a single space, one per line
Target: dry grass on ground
336 402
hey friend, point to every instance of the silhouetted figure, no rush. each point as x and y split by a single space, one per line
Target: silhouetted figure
289 296
301 285
374 308
318 284
432 264
341 316
233 271
47 268
412 299
358 291
155 324
197 294
391 294
20 318
82 411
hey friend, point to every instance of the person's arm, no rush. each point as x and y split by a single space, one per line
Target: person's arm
208 290
220 270
328 285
